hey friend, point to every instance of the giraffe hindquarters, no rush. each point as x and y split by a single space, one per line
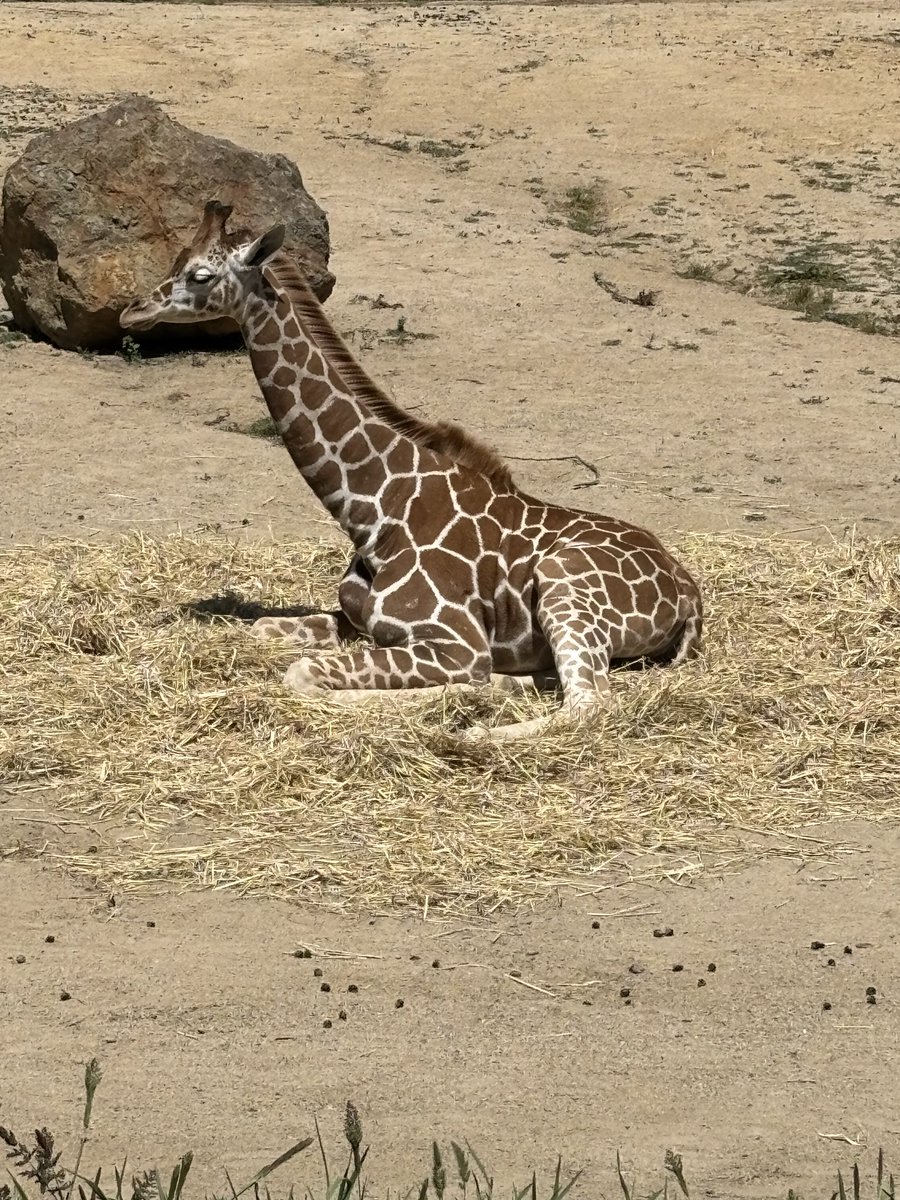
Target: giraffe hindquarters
688 644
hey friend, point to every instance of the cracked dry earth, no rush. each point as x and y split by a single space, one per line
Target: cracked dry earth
480 167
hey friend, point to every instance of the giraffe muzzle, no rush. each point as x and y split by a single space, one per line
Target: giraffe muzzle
138 315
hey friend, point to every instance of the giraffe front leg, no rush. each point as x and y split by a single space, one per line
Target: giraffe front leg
325 630
316 629
380 669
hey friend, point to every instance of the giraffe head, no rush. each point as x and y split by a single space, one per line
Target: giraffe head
209 278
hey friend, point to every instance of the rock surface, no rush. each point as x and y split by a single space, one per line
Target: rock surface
96 211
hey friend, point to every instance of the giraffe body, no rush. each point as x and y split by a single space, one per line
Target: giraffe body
458 577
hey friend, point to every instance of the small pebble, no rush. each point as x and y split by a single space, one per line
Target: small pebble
152 925
398 1004
870 991
848 949
624 991
342 1015
414 957
831 963
711 968
20 958
587 1003
326 1024
636 969
436 963
352 988
817 945
871 1000
515 974
667 931
628 1001
678 966
326 987
299 954
595 924
318 972
827 1006
50 939
65 995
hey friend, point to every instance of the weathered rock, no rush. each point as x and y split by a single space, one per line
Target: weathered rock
95 212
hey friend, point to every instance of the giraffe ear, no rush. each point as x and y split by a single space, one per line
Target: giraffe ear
263 248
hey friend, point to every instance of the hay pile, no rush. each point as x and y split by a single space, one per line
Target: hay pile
119 703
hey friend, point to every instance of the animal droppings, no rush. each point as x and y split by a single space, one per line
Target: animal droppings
595 924
20 958
50 939
152 925
848 949
666 931
342 1015
624 991
636 969
326 987
827 1005
870 991
436 963
398 1004
678 966
711 968
871 1000
628 1000
414 957
326 1024
831 963
318 972
65 995
817 945
587 1003
515 974
352 988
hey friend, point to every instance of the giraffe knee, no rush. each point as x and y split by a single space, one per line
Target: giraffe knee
301 677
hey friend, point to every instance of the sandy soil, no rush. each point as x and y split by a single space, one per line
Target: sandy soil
729 143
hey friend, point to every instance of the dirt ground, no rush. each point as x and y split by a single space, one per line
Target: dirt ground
718 147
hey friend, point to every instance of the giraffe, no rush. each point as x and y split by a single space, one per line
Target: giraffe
458 577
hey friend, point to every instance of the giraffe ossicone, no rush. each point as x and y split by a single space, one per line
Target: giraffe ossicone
458 577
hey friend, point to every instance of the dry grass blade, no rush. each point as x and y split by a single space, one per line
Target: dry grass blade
123 705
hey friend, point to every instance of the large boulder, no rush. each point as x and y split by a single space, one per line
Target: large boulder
95 212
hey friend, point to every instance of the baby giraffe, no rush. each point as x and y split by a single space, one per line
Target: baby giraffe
458 576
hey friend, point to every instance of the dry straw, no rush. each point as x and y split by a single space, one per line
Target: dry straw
124 703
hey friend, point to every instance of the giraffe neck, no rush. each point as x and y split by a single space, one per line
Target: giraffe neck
346 455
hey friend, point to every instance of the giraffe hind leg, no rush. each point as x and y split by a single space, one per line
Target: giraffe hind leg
580 642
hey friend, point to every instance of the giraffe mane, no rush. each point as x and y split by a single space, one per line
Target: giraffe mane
441 437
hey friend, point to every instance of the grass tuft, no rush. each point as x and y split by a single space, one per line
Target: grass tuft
584 208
